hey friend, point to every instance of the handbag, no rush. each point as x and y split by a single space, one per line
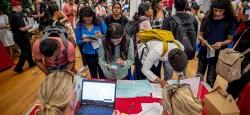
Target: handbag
229 62
178 99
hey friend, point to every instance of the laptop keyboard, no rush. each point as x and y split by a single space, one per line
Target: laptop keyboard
94 110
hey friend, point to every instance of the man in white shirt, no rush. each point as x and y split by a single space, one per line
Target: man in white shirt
175 55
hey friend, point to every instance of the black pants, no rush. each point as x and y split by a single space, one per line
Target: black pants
94 67
210 65
25 46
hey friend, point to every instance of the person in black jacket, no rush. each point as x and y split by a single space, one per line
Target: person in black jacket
235 87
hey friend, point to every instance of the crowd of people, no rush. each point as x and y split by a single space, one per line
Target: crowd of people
161 34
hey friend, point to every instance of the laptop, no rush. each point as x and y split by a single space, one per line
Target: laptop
98 98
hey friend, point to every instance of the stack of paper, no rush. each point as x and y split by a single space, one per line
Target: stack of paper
151 109
133 88
156 90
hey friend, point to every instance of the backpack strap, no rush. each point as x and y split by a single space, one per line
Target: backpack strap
177 20
165 46
246 69
60 32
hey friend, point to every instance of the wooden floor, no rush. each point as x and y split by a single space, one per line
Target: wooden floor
18 92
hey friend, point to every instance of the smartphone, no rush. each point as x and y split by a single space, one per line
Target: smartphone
114 67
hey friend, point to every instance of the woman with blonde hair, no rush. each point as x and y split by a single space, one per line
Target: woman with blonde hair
57 94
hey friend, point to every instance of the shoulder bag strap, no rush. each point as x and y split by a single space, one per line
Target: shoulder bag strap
246 69
240 38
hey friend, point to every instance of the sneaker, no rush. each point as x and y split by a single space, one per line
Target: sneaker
32 65
18 70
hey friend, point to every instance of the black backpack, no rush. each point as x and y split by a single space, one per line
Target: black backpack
130 29
185 32
58 30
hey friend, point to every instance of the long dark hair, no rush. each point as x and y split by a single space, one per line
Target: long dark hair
88 12
115 30
143 7
220 4
154 7
85 4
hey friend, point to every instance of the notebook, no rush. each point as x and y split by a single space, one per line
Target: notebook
97 98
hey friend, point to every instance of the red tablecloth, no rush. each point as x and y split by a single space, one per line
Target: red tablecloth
244 101
133 105
5 60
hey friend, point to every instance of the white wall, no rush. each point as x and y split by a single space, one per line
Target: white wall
133 7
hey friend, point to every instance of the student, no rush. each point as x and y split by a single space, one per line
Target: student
144 12
21 36
58 96
39 14
144 9
220 17
191 29
59 18
116 54
50 54
88 26
70 11
159 14
101 8
198 14
116 16
174 54
236 87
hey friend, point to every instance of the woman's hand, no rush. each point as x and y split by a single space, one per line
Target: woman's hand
204 42
85 39
163 83
98 34
116 112
217 45
120 61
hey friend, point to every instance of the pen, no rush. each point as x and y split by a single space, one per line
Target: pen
131 107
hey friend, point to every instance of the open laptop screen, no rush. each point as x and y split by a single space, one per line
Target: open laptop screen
98 91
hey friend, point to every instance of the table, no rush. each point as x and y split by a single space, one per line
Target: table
124 105
133 105
6 61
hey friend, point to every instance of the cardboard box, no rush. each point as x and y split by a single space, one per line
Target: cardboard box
218 102
220 81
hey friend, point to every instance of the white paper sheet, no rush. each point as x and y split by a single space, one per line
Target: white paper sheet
133 88
151 109
193 82
95 44
31 21
156 90
2 20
